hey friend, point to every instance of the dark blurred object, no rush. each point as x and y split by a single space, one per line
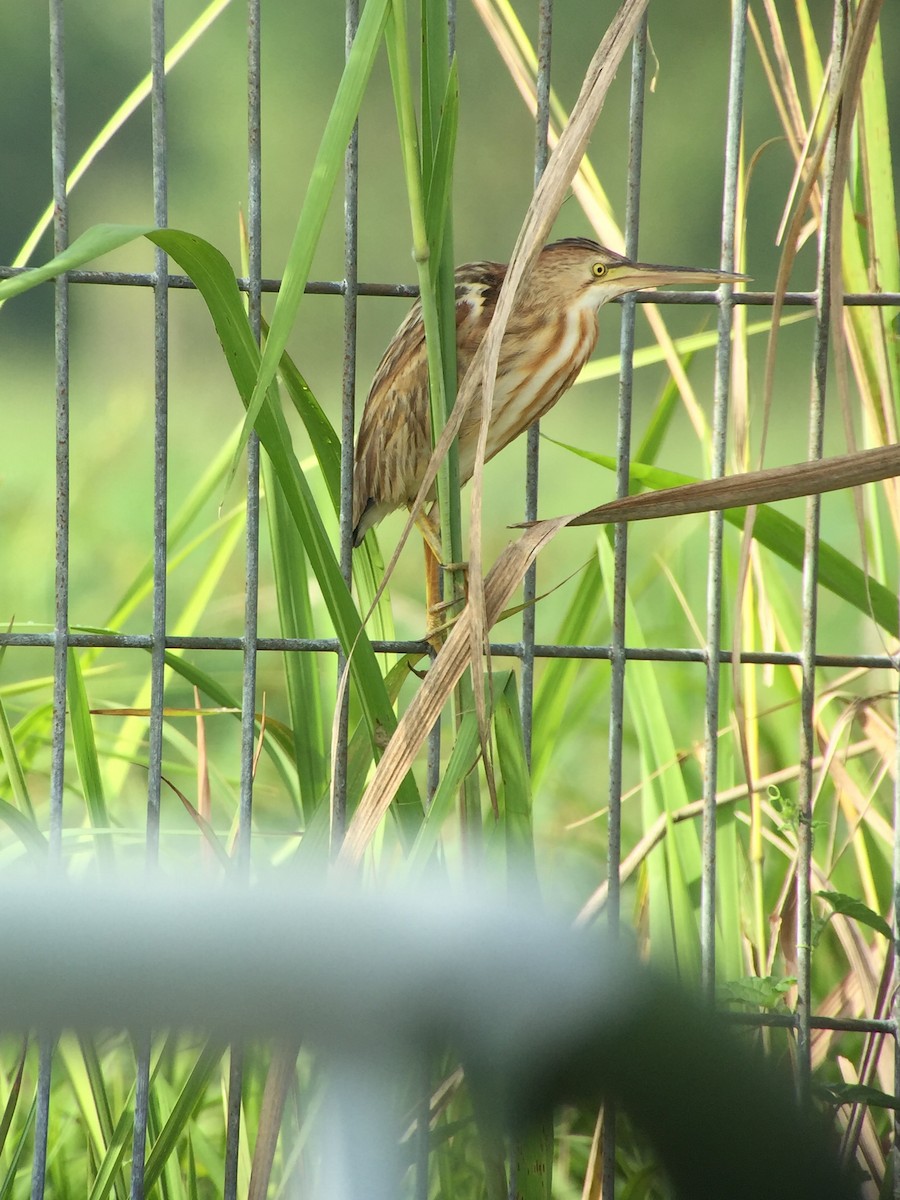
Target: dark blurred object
540 1014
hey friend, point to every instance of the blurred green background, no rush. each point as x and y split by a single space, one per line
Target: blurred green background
107 52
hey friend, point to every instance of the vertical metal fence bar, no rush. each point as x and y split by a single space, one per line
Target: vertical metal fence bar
251 608
620 549
160 493
251 571
61 338
716 519
251 585
809 590
160 448
532 455
348 412
61 614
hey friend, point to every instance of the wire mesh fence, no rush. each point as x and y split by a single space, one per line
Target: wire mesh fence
717 655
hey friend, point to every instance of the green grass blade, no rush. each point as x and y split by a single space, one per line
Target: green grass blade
554 692
304 697
323 436
326 445
12 1100
15 773
191 1095
439 172
661 418
607 367
463 758
208 586
109 1170
212 273
132 730
674 868
126 109
513 767
93 243
534 1162
729 867
179 523
85 1077
8 1183
24 828
193 1193
79 1081
87 759
326 169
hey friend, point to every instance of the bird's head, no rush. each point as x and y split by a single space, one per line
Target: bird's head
581 272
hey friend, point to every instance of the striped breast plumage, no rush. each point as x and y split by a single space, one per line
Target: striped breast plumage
524 392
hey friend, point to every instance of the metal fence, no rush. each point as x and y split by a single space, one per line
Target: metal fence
618 652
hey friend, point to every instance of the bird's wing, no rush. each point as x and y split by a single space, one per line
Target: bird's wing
394 431
394 441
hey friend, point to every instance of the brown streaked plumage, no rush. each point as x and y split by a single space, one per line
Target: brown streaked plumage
551 334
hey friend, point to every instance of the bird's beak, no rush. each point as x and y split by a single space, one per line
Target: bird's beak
632 277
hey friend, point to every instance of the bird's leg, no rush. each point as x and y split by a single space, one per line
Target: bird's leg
434 631
436 606
431 543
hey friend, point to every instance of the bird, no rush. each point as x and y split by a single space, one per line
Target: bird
551 334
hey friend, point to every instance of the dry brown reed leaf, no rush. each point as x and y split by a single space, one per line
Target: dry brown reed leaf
738 491
596 902
842 102
539 218
883 733
589 193
752 487
443 675
279 1078
843 82
542 212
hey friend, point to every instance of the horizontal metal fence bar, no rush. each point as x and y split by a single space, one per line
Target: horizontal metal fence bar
675 654
327 287
338 287
791 1021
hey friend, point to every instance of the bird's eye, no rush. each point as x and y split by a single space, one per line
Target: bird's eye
599 270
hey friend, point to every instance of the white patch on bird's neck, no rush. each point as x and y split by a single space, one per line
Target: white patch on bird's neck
593 298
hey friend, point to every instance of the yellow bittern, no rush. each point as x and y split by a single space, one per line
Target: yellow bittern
550 336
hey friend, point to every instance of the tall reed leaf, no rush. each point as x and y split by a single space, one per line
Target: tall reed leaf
87 759
326 169
214 278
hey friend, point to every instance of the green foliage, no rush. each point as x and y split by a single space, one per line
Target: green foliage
549 830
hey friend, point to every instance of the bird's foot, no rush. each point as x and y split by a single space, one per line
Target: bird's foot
437 628
441 613
440 619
